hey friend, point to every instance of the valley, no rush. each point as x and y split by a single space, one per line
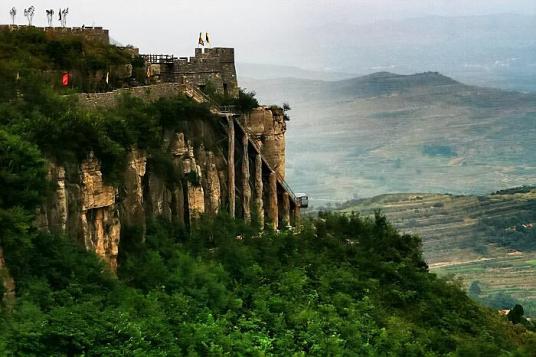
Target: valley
488 239
388 133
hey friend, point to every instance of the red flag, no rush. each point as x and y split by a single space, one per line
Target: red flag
65 79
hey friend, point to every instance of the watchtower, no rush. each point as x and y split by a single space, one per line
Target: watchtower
209 66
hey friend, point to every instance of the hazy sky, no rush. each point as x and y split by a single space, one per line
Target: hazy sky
253 27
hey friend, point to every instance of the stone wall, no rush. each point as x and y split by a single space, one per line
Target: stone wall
209 65
150 93
96 34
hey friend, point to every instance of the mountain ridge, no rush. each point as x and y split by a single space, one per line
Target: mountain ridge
403 133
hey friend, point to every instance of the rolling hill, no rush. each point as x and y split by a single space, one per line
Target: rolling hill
490 240
388 133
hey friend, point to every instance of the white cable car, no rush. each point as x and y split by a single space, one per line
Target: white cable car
303 200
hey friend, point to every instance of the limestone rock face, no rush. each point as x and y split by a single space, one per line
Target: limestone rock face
93 211
160 197
60 212
196 200
272 207
245 173
100 226
211 181
259 202
7 282
101 229
53 214
132 210
178 146
95 194
267 128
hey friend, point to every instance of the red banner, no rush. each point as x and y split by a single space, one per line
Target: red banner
65 79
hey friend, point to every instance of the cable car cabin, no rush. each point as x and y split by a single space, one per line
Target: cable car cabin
303 200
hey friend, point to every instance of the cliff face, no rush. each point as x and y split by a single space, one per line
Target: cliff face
267 127
210 165
95 212
8 283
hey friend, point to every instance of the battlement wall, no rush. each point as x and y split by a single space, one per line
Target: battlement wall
209 65
97 34
149 93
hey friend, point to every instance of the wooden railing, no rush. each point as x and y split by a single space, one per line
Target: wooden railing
157 59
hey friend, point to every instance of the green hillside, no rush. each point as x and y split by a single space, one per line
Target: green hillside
490 239
388 133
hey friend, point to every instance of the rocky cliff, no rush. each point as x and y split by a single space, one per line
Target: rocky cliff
87 207
228 162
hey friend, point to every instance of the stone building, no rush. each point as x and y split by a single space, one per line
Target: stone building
209 67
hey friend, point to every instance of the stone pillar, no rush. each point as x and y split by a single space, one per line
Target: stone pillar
7 282
259 204
132 211
285 210
273 211
246 188
213 185
231 164
61 199
296 216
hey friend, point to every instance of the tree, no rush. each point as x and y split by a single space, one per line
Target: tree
516 314
474 289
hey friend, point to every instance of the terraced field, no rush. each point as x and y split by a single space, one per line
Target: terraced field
489 239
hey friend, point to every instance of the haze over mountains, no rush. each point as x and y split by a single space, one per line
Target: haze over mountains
386 133
491 50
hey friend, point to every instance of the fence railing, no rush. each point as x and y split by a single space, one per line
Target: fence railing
157 59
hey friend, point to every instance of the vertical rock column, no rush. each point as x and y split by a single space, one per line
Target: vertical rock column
8 283
213 190
285 210
296 216
273 219
195 192
231 164
53 213
246 189
132 211
99 216
61 199
259 206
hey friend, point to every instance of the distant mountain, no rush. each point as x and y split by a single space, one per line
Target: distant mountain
386 133
492 50
267 71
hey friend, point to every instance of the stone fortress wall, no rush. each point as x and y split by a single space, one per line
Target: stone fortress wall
209 66
97 34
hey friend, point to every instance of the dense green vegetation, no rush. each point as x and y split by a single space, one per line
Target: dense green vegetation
343 286
28 52
488 241
245 102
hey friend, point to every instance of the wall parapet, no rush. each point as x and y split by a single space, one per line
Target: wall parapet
90 33
149 93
